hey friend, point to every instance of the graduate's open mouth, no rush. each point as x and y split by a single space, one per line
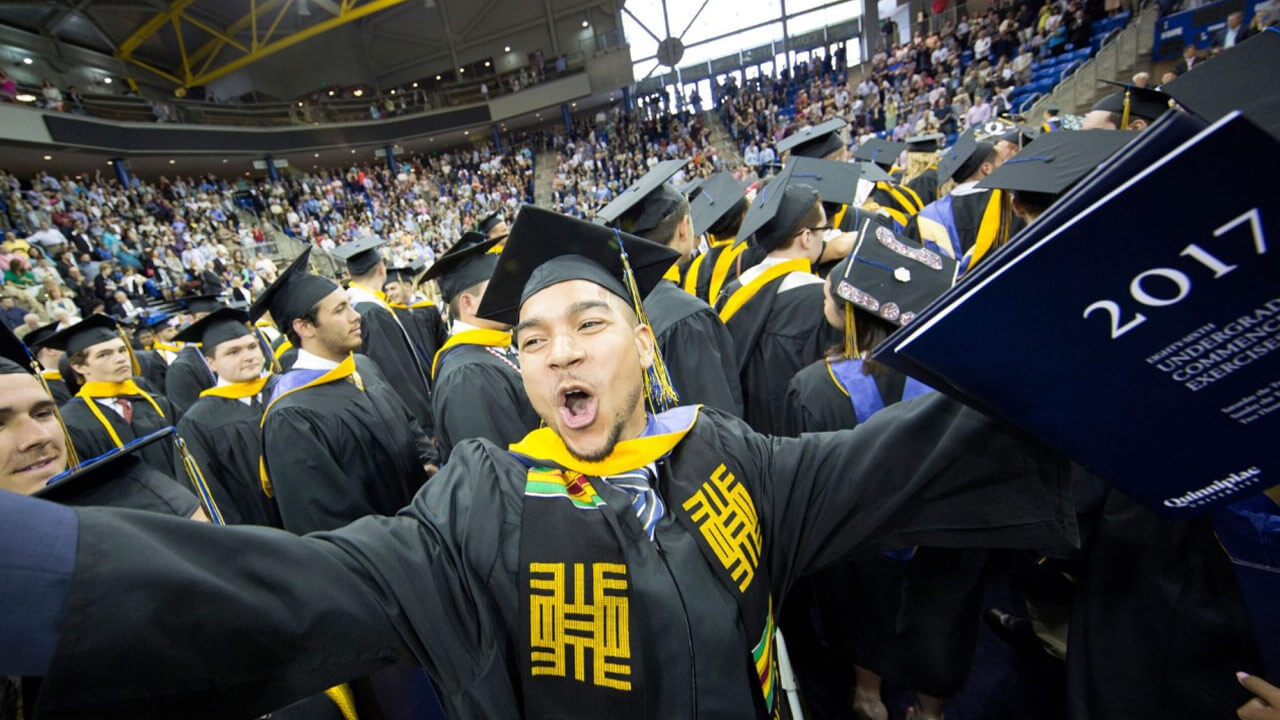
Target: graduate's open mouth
577 406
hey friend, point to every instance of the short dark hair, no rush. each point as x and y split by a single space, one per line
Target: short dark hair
665 231
312 316
811 219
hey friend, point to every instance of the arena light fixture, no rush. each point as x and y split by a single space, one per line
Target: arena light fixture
316 155
106 80
506 48
48 157
173 162
487 63
24 97
27 61
393 91
415 84
358 92
437 77
330 93
586 23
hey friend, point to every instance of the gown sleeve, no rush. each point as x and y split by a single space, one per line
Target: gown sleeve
928 471
169 618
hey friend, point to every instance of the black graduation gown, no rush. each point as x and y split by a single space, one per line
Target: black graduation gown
696 347
425 328
224 437
1158 625
386 343
152 367
913 622
478 395
775 335
926 185
966 212
334 452
439 584
187 376
91 439
58 389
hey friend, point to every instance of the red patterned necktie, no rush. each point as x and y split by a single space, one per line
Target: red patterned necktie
126 409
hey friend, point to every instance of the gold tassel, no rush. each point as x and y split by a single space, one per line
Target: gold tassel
657 382
198 482
850 333
1124 116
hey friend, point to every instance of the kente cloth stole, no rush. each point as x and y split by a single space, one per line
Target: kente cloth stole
581 652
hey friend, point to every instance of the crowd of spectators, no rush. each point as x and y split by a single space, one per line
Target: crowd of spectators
943 82
75 246
609 150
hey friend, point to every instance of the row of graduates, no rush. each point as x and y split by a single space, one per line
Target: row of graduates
759 350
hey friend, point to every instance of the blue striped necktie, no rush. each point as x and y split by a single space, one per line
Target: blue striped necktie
638 484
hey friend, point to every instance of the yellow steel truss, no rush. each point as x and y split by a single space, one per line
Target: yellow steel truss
196 67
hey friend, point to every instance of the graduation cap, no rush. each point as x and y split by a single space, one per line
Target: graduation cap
95 329
293 294
1243 79
816 141
407 273
963 157
778 210
200 303
14 356
836 182
217 327
879 151
1133 100
546 248
1055 161
689 188
718 197
88 483
872 172
925 143
467 264
491 221
361 255
641 207
890 276
35 338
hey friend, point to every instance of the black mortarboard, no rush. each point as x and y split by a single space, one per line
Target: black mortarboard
467 264
687 189
36 338
815 141
777 211
963 158
87 483
14 357
836 182
647 202
293 294
200 303
879 151
407 273
91 331
890 275
1244 79
925 143
1055 161
546 248
720 195
217 327
872 172
1141 102
491 221
361 255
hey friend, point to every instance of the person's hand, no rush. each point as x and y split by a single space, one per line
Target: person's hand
1266 706
431 469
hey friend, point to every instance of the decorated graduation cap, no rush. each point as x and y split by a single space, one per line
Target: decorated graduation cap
199 303
293 294
836 182
361 255
719 197
490 222
815 141
217 327
93 330
467 264
1133 101
926 143
641 207
889 276
778 210
546 248
1055 161
407 273
1244 79
964 157
879 151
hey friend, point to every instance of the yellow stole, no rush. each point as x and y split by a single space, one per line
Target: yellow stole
412 306
720 271
993 230
50 375
748 291
91 390
478 336
627 455
235 391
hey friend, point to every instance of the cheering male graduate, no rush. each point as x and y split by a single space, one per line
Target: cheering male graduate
478 392
510 563
337 442
110 410
774 309
697 347
188 374
223 427
383 339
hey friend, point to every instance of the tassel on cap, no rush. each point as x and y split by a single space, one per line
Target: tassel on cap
657 381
